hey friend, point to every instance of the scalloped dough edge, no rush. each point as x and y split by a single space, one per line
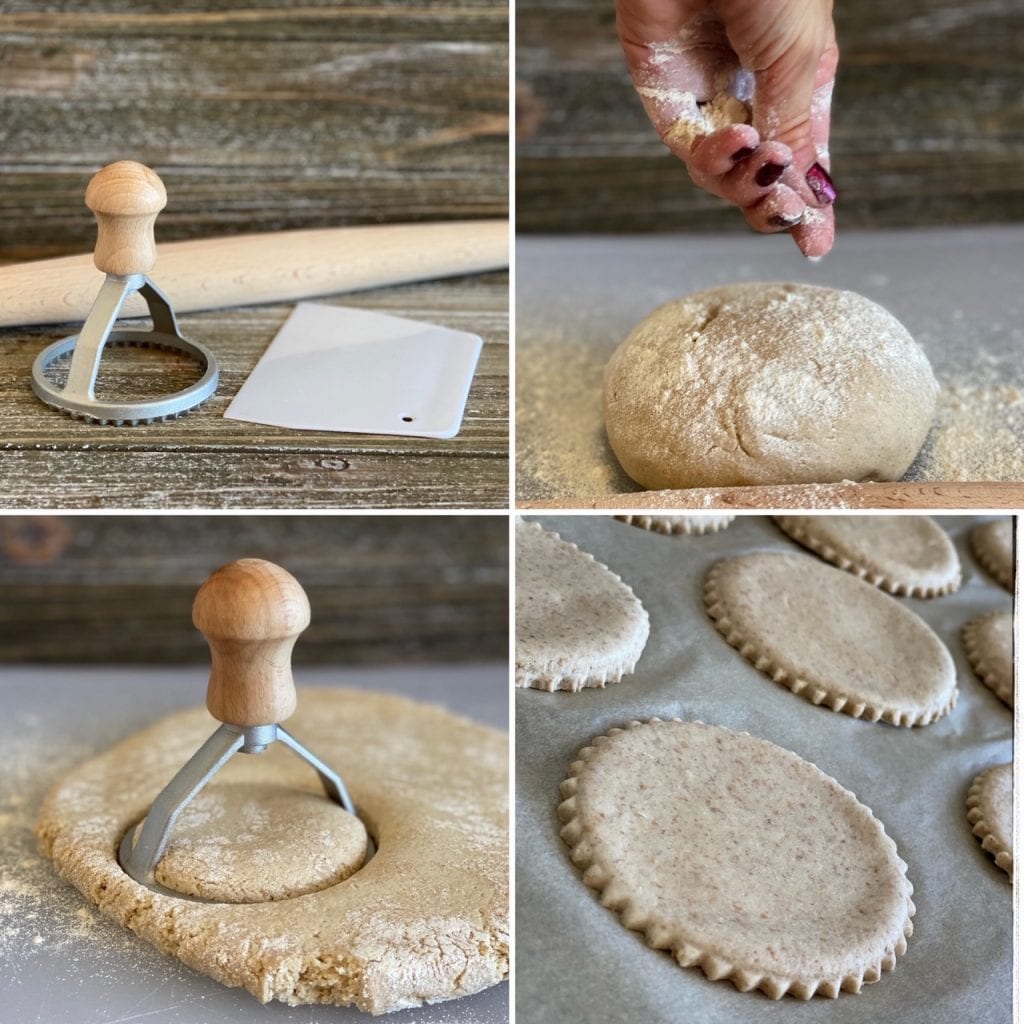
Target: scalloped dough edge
573 682
686 954
844 561
979 665
816 693
990 562
687 527
981 828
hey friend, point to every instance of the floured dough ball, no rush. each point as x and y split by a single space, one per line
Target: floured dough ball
767 384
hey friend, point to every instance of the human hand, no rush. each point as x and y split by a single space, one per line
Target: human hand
741 92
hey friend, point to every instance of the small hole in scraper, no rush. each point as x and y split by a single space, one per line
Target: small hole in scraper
407 419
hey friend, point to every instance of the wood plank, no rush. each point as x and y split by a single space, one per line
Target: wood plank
974 495
48 460
927 123
382 588
269 117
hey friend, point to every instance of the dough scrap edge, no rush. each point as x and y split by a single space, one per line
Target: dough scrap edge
714 524
990 562
848 564
335 979
815 693
686 953
981 828
980 666
550 679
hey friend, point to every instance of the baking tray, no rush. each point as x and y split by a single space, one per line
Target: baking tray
957 291
63 962
576 961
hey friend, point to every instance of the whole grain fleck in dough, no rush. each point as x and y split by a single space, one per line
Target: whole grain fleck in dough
767 384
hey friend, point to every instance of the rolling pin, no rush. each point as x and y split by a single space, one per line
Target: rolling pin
938 494
274 267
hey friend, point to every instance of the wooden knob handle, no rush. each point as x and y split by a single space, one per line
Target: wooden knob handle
125 197
251 613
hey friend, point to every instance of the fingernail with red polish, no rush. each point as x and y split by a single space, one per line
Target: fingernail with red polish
741 154
769 174
821 185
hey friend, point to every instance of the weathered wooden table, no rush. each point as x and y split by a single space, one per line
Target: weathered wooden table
48 460
261 116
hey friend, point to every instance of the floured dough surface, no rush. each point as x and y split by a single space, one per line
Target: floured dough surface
247 843
679 524
832 638
426 919
767 384
577 624
910 555
988 641
992 544
990 812
738 857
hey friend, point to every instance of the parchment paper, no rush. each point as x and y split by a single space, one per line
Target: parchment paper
957 291
574 959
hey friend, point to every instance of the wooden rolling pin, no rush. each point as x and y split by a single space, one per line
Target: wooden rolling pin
275 267
952 495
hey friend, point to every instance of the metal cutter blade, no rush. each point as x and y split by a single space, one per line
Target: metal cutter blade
78 397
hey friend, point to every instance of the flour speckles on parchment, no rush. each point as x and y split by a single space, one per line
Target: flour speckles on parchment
562 449
41 916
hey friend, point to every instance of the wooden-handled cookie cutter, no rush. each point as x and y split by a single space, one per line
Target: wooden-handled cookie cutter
251 613
125 198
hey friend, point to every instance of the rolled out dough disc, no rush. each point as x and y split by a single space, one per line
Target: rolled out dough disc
738 857
242 843
679 524
426 919
577 623
992 544
988 641
909 555
831 638
990 812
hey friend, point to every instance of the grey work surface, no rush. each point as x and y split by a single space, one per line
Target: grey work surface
66 964
574 958
957 291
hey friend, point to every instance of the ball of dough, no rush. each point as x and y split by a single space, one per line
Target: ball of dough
767 384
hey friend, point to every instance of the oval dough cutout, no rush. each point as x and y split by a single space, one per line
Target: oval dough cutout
992 544
577 624
990 812
831 638
904 555
988 641
767 384
695 524
738 857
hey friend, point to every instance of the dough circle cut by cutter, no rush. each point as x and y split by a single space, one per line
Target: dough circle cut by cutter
251 613
125 198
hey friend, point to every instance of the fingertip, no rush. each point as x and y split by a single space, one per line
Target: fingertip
815 235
